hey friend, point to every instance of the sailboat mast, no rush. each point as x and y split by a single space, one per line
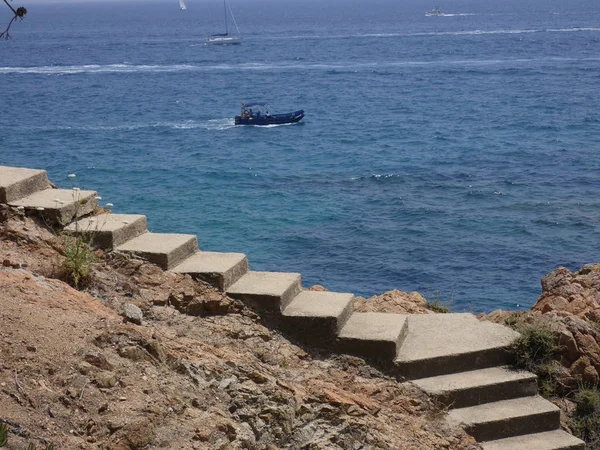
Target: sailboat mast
225 11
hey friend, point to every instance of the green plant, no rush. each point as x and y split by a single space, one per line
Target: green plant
546 380
586 418
535 350
79 258
511 320
536 347
437 305
3 434
587 401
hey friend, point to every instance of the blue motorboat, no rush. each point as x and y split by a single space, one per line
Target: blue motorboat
257 113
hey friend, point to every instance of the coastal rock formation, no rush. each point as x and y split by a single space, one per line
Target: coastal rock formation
567 293
570 305
393 302
201 372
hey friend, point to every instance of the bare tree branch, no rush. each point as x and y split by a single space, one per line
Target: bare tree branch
19 13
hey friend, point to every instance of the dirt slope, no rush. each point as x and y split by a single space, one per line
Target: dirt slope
200 372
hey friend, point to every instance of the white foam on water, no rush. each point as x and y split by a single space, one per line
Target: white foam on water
571 30
442 33
273 125
456 14
252 66
213 124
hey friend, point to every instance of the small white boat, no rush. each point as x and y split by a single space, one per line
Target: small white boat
225 38
182 5
434 12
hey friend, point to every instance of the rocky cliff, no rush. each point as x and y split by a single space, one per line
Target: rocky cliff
143 358
569 308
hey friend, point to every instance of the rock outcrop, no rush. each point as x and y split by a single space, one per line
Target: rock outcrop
201 372
393 302
570 305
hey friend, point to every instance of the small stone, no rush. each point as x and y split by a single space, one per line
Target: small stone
72 392
226 382
84 367
98 360
132 313
105 380
6 263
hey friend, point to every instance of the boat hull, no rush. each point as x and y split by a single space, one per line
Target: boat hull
275 119
224 41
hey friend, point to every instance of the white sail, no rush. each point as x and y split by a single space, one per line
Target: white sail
182 5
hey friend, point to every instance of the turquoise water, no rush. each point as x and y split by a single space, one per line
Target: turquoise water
455 155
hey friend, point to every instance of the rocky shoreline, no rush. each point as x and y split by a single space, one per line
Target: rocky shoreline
143 358
569 308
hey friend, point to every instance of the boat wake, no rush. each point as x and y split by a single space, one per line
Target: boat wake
213 124
274 125
456 14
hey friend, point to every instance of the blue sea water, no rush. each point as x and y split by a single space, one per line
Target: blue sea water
455 155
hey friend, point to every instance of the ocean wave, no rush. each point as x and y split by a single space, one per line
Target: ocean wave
333 68
95 68
377 177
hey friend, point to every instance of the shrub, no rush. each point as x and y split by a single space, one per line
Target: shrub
536 347
437 305
535 350
79 258
3 434
511 321
586 419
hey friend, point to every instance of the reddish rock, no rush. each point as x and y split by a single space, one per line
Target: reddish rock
318 287
393 302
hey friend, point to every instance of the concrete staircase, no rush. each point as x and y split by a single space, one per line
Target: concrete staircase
458 360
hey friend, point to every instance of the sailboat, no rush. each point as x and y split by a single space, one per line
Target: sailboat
225 38
182 5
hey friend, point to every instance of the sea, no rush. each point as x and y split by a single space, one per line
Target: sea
455 155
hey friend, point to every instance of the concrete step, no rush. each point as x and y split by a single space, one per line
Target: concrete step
164 250
108 231
219 269
549 440
507 418
475 387
318 316
439 344
59 205
373 335
267 290
17 182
